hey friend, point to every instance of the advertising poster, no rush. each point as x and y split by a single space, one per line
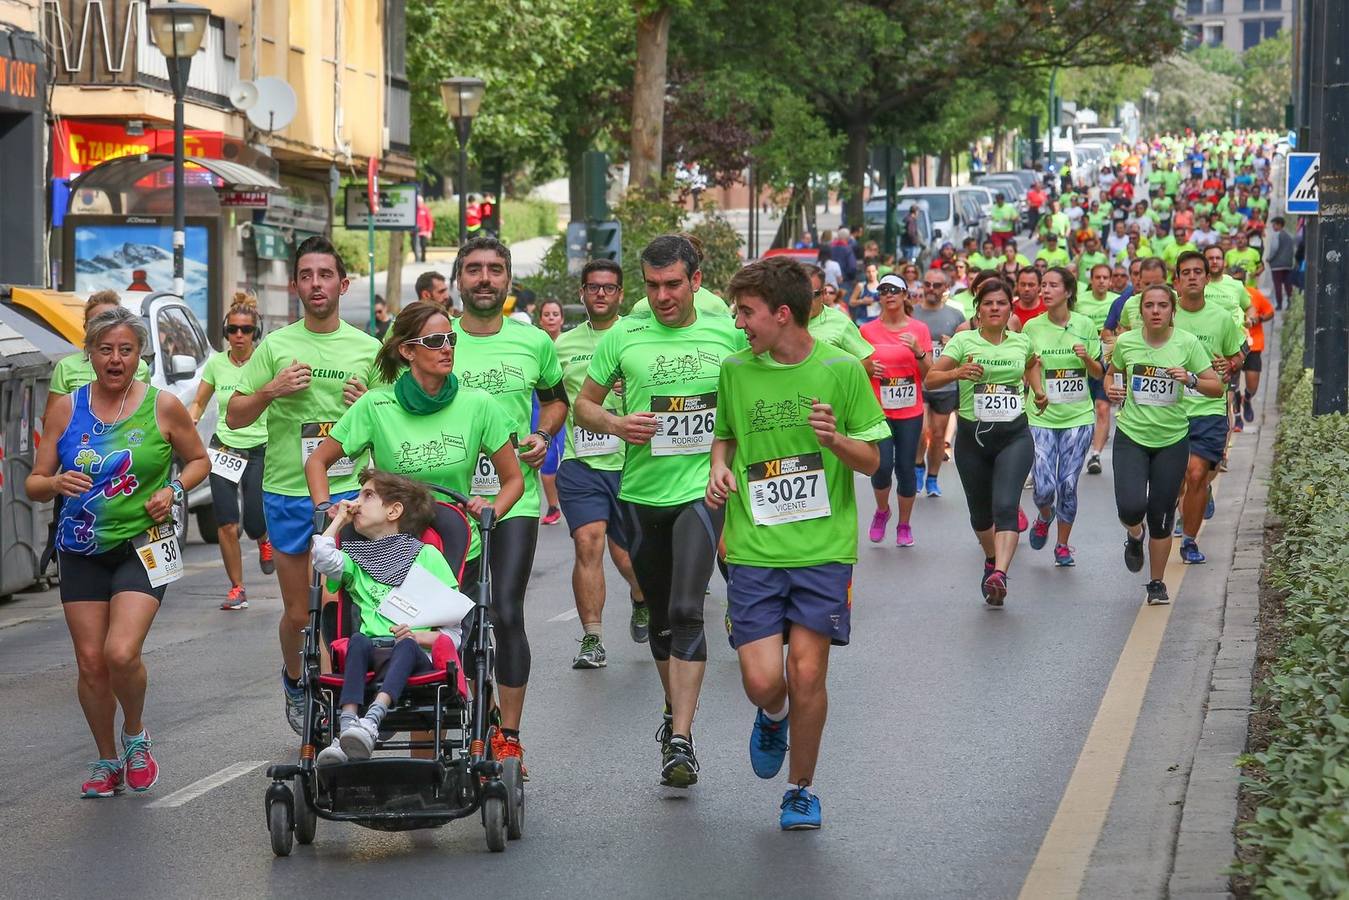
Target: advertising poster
128 257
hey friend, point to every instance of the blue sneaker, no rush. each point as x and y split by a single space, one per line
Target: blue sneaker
920 471
933 489
767 745
1179 530
1189 552
800 810
1039 531
1209 506
294 704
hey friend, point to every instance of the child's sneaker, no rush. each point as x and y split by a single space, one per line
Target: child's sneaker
358 741
332 755
105 779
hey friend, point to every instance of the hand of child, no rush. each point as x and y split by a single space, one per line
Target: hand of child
401 632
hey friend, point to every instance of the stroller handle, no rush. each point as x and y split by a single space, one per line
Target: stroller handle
485 518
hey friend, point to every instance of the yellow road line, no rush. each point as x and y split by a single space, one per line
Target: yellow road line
1061 864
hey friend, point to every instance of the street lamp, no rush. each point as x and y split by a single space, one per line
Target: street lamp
462 97
177 30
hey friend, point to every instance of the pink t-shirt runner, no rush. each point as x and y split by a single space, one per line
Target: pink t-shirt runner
900 388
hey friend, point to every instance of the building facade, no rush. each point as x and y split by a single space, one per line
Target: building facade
23 109
1237 25
324 83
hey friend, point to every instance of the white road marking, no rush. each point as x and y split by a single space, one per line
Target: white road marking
209 783
566 616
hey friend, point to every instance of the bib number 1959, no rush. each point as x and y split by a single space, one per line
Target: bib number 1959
226 462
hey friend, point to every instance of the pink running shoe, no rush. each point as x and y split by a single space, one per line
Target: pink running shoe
142 772
904 537
1022 523
105 779
878 523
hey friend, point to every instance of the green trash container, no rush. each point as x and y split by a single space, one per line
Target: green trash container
25 373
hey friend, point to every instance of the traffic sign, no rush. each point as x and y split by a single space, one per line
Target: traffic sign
1304 197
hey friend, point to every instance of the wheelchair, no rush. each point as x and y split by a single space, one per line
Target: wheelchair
452 704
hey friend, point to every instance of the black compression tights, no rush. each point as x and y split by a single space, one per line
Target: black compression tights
513 542
673 551
993 461
1147 482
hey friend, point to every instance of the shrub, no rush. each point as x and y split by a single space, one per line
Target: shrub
353 244
1297 842
520 220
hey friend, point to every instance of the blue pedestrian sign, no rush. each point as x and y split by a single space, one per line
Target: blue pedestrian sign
1304 198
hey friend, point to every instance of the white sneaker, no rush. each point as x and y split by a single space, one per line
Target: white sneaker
332 755
359 740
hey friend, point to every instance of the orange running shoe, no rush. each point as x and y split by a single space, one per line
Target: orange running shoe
504 748
265 557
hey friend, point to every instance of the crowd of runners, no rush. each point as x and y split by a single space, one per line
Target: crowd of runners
692 436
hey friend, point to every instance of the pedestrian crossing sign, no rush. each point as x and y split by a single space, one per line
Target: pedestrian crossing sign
1304 199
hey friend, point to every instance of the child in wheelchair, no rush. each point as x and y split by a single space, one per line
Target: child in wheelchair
384 555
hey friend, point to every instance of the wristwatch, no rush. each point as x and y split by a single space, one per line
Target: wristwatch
1192 382
177 487
920 358
547 438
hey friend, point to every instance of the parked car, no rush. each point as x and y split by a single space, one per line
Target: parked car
873 217
981 210
1012 191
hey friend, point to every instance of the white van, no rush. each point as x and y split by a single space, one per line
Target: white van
950 215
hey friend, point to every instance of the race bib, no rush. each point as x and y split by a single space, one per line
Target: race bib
311 435
226 462
790 489
160 555
898 393
486 481
1065 385
1153 386
590 443
996 402
683 424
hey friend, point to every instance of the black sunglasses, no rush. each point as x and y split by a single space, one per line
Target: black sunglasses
240 329
435 341
889 289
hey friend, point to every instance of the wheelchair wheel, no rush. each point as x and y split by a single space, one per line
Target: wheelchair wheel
494 821
280 823
515 798
306 819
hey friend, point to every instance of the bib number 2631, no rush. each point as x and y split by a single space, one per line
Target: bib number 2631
684 424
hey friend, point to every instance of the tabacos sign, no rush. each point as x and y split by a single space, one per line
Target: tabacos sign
79 146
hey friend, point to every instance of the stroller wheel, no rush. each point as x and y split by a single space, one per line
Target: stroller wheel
306 819
515 797
494 821
280 823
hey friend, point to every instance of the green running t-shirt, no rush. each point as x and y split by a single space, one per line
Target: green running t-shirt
1063 373
1088 261
1004 368
671 372
1096 310
223 376
835 328
794 503
1005 217
1219 336
1152 414
367 593
298 423
703 300
509 365
574 351
441 448
1058 257
75 371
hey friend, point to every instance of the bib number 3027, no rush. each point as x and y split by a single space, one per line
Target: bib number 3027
226 462
790 489
159 554
898 393
311 435
684 424
996 402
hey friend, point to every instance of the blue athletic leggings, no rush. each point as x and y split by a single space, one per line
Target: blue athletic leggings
897 455
1059 455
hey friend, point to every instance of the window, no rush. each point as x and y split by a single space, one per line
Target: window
1213 34
1251 33
178 336
1273 27
1273 5
1194 7
1194 36
1213 7
1250 5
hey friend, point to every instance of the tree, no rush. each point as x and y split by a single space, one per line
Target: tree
1266 80
648 92
1191 95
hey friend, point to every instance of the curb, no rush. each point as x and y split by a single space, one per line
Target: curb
1206 843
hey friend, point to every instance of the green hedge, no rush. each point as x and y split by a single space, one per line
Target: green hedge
520 221
355 248
1297 843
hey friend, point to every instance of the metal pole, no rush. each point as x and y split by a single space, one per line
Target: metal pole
1309 139
1049 153
1331 385
370 249
462 127
178 71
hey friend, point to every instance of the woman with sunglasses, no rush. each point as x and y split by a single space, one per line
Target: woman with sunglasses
237 454
425 425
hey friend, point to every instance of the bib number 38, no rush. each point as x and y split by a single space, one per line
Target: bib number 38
160 555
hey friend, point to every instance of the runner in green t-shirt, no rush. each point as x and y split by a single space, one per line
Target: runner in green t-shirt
1222 339
669 363
512 361
831 326
1223 289
1096 304
799 420
75 371
1090 257
304 377
1244 256
1005 218
588 479
994 449
1051 252
1068 346
1149 368
237 455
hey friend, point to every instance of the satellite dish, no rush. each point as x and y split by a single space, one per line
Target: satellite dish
275 106
244 96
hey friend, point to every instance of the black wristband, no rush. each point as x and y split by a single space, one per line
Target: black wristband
547 438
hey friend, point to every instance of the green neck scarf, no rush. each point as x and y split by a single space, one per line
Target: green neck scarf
412 398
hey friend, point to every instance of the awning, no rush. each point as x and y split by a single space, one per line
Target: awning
121 173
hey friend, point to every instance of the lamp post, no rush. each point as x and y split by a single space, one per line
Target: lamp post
462 97
177 30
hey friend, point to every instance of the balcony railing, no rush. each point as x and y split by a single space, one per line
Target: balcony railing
106 42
